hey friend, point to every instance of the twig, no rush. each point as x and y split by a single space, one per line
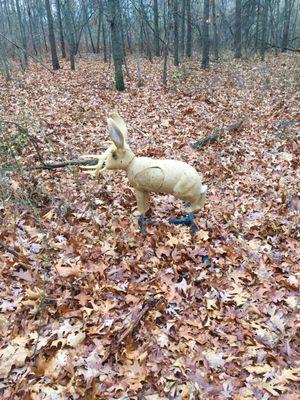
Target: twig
9 249
63 164
25 51
31 138
148 305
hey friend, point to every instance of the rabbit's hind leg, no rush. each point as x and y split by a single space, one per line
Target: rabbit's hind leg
183 188
198 203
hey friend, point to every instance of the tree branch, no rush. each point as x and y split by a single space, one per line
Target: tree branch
25 51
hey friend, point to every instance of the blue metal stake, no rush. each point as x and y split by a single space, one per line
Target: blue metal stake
187 220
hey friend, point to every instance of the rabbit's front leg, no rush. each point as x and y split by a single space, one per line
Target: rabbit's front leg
142 199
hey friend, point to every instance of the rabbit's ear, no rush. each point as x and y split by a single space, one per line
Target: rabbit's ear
120 123
115 134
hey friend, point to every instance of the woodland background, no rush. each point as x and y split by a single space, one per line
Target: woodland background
90 307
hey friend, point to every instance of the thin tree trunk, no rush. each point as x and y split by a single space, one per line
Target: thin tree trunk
24 57
189 29
61 31
99 28
116 40
156 28
55 63
205 50
182 39
43 32
263 43
105 58
216 35
257 26
88 28
166 30
31 28
176 35
286 25
72 44
238 30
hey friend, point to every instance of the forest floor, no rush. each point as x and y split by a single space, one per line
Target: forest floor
91 308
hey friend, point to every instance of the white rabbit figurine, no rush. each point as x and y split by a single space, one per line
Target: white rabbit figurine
150 175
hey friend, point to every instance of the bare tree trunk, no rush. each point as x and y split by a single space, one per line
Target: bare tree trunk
105 58
286 25
257 26
24 57
238 29
61 31
3 61
71 34
182 39
166 14
99 28
176 35
116 40
31 28
205 50
263 43
156 28
189 29
55 63
88 28
215 28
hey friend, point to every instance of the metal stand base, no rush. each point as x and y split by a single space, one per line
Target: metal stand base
188 220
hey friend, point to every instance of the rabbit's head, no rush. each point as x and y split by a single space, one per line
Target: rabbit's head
118 156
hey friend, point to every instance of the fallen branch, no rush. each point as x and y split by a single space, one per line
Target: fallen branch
9 249
208 139
235 126
63 164
287 48
114 347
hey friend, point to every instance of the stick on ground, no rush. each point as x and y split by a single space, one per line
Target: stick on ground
148 305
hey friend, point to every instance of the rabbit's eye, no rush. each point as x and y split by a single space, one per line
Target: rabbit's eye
114 155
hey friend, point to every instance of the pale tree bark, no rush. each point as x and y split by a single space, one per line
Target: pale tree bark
205 49
55 63
238 29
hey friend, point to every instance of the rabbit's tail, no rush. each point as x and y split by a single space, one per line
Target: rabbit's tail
202 196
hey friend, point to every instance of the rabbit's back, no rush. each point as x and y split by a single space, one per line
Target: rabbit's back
149 174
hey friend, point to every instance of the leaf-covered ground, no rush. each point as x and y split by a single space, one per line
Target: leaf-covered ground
205 316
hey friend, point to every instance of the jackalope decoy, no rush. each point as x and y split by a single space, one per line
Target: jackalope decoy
150 175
